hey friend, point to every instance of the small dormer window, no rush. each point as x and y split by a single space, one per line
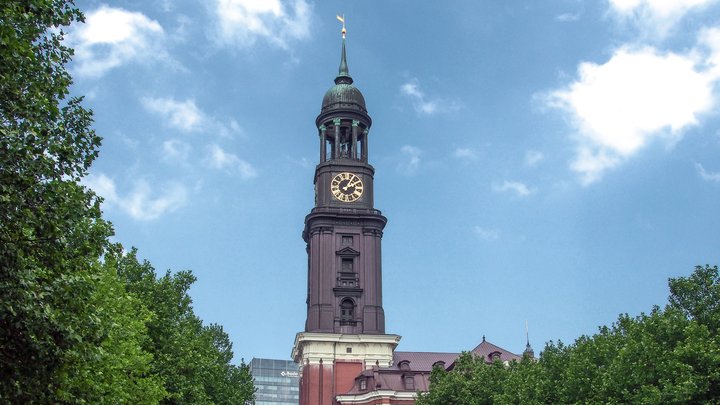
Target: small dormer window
404 365
363 384
440 364
494 356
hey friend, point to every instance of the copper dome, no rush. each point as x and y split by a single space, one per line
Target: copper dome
343 96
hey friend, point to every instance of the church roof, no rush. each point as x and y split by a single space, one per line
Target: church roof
486 350
417 366
423 361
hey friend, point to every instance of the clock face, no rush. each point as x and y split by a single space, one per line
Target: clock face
346 187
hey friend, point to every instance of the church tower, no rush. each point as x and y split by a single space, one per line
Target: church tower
345 327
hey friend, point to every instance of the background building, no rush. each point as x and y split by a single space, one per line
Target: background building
276 381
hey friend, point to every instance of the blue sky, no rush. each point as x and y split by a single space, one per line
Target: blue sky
544 161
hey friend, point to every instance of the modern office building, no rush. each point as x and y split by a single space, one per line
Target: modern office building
277 381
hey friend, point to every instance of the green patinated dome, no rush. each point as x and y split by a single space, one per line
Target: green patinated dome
343 95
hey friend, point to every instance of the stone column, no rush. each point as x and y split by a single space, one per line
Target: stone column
336 151
353 147
323 143
365 146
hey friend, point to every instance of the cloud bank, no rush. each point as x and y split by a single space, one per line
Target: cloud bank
641 93
112 37
243 22
144 202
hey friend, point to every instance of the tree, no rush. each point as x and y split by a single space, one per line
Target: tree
193 360
471 382
115 368
68 330
670 355
79 321
698 296
50 227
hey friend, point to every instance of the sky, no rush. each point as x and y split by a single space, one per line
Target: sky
549 162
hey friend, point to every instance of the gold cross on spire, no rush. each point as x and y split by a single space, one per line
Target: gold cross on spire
342 20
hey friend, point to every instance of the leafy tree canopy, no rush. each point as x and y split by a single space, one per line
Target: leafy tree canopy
51 231
670 355
193 360
81 322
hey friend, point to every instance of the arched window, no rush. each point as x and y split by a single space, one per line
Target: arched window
347 310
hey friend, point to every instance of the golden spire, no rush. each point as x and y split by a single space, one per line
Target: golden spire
343 71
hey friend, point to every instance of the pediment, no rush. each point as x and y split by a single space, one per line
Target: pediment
347 252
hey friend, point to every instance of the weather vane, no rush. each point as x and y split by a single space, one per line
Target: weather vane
342 20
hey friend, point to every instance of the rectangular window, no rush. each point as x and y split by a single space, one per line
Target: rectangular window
347 240
409 383
347 265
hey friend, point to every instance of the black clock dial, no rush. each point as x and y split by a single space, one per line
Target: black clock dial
346 187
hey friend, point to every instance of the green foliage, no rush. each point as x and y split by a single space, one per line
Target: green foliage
698 296
668 356
75 328
471 382
114 369
193 360
51 232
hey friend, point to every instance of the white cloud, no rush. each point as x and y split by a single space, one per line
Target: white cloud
219 159
709 44
103 186
227 130
486 234
515 186
111 37
410 160
184 115
188 117
656 17
568 17
533 157
619 106
591 164
465 154
175 151
143 202
423 104
705 175
243 22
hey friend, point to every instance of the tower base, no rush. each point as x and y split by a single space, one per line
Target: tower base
329 362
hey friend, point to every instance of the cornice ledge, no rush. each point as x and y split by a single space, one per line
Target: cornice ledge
375 395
